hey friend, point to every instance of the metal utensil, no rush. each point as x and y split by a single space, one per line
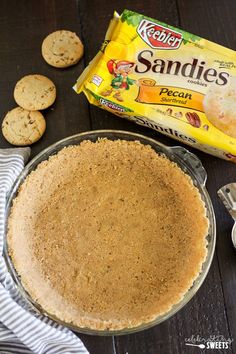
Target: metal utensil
228 196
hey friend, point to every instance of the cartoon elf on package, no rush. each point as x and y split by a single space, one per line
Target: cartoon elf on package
167 79
121 81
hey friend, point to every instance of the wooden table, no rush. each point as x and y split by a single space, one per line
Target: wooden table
23 25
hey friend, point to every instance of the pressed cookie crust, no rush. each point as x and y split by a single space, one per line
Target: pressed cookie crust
107 235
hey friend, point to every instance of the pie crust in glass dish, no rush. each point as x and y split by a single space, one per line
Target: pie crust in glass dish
107 234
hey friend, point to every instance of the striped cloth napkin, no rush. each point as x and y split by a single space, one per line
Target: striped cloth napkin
21 329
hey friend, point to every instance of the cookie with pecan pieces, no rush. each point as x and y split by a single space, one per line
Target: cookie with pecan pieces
62 49
21 127
35 92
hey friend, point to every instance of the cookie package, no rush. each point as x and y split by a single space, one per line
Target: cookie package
167 79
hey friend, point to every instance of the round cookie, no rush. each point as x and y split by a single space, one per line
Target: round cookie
62 49
21 127
35 92
220 107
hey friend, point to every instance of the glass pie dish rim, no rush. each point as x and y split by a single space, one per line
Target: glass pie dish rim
187 161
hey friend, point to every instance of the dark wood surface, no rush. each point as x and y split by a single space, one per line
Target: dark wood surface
23 25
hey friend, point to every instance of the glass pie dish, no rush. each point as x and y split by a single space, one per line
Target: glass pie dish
187 161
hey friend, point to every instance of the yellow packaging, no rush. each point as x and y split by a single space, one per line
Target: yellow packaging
167 79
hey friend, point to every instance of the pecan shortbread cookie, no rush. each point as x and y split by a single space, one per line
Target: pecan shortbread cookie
35 92
21 127
62 49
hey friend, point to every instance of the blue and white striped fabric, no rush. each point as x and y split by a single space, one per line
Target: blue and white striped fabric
21 331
